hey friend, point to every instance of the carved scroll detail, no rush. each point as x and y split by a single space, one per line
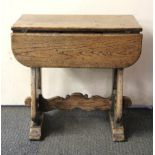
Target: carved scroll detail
77 100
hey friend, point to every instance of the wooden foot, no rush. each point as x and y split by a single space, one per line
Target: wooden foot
116 129
36 129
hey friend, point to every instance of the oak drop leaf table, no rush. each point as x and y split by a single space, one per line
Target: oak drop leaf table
77 41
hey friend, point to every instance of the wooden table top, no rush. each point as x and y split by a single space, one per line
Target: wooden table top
77 23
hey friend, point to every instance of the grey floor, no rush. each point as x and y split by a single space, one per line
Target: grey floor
76 133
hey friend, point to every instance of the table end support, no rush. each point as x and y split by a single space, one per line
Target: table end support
36 113
116 113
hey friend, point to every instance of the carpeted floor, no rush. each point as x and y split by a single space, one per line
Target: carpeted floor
76 133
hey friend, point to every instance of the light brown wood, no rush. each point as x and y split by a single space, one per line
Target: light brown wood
119 97
36 114
117 131
79 101
39 81
76 100
104 41
114 88
118 105
77 50
77 23
28 101
35 92
33 95
36 129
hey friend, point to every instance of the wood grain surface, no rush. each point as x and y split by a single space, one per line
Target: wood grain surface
76 50
119 97
77 23
35 132
76 100
118 134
